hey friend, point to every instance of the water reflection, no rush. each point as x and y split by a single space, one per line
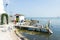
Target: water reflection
32 35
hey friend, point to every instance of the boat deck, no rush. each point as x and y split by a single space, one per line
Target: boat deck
38 27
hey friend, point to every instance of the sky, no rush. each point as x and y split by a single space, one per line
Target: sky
34 8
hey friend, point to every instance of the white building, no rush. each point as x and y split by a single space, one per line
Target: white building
2 7
20 17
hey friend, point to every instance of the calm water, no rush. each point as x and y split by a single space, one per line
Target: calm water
55 26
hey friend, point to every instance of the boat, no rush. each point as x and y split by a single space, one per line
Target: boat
39 28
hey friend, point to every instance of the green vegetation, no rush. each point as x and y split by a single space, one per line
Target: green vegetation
2 18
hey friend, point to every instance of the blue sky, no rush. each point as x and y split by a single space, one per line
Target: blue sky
35 8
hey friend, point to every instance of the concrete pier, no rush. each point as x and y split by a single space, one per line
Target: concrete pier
6 34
